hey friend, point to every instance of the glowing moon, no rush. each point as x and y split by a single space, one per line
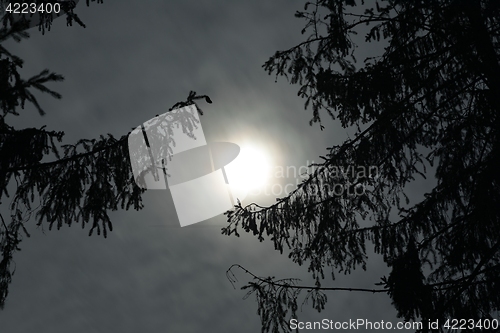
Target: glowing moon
250 171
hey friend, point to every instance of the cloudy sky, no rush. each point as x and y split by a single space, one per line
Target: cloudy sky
134 60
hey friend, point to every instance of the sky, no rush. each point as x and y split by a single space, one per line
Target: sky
135 59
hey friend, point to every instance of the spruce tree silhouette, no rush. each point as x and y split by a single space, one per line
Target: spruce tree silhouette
84 181
432 98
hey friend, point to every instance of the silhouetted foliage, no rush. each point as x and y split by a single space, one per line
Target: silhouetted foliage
81 185
430 99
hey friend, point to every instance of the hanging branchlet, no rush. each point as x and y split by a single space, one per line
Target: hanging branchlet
278 299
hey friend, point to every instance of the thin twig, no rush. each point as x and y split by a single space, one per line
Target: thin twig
269 281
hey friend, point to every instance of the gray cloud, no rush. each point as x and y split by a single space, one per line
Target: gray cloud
133 61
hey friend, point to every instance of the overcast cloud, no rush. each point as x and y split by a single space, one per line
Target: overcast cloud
134 60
